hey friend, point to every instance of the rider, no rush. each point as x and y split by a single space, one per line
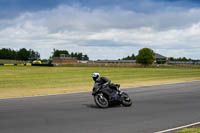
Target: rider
104 82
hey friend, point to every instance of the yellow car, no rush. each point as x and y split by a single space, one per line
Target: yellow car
37 62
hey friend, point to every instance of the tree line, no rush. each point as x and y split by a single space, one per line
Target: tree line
22 54
132 57
147 51
180 59
65 53
25 55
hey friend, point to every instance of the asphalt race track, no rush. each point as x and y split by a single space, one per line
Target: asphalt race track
155 108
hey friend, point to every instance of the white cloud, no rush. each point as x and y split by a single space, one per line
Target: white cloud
111 34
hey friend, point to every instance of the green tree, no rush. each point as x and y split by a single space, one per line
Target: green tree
145 56
23 54
7 53
57 53
132 57
171 59
33 55
79 56
85 57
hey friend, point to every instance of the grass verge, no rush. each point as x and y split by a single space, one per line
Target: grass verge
31 81
192 129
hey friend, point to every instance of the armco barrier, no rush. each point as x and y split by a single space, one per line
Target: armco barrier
9 64
28 64
21 64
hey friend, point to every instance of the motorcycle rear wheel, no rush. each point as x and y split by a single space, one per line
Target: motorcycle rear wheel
101 101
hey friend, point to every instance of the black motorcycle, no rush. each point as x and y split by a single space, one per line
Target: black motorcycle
105 97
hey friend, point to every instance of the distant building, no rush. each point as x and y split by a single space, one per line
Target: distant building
160 59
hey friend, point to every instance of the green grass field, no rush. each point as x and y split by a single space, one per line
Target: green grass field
30 81
190 130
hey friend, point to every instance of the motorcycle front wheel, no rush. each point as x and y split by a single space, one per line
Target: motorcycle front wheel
101 101
126 100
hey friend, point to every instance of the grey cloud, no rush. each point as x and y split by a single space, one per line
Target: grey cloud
104 43
73 18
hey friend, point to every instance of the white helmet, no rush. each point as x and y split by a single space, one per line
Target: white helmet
95 76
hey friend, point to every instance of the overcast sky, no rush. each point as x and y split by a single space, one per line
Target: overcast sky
103 29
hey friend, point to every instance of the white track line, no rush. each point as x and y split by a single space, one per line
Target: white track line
90 91
178 128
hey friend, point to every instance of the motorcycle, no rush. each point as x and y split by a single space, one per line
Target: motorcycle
105 97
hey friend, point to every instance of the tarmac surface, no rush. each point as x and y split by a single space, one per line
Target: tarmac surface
154 108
